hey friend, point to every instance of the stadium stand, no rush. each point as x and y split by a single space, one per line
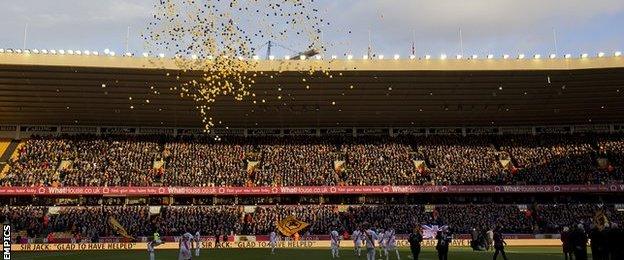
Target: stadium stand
91 221
118 160
59 175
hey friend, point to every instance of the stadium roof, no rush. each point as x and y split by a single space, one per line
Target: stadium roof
68 90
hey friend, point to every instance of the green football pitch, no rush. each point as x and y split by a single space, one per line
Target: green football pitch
513 253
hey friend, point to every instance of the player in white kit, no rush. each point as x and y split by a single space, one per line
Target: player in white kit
335 243
381 240
357 242
273 241
150 249
197 240
186 247
369 238
390 238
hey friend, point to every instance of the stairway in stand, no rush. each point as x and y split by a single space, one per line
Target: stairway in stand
7 148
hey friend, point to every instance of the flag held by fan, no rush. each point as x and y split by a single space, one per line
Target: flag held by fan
290 225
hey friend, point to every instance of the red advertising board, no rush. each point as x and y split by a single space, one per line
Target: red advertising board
306 190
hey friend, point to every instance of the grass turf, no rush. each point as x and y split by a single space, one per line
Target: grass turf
513 253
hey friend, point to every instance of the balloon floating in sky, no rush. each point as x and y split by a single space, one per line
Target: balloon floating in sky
223 39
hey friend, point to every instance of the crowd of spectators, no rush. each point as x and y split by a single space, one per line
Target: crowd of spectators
296 161
202 162
88 160
30 219
551 218
562 159
463 218
612 148
94 221
84 161
208 220
401 218
379 162
457 160
260 220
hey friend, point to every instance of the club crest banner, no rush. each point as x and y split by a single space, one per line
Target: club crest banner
119 229
290 225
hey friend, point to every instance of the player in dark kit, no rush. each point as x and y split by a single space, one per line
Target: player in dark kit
499 244
444 240
615 239
414 240
578 240
598 238
565 243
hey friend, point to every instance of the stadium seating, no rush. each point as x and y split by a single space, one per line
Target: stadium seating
295 161
260 220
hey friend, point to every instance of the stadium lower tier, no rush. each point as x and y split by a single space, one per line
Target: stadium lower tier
90 223
138 160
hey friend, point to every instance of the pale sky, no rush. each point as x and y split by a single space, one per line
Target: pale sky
488 26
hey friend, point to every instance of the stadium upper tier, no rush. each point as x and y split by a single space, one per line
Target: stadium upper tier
140 160
114 91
